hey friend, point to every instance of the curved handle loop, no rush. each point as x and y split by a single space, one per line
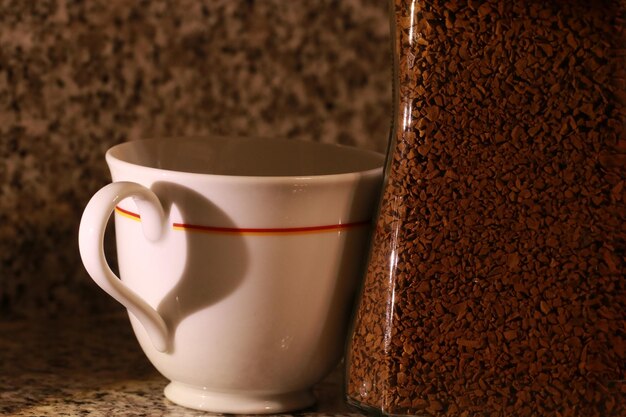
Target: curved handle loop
91 239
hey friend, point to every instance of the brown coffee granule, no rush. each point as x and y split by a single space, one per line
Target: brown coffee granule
495 285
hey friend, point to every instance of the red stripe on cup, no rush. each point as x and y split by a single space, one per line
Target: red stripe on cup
260 231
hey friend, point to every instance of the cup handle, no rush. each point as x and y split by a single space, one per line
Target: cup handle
90 241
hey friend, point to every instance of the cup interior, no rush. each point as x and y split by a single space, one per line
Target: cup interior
246 156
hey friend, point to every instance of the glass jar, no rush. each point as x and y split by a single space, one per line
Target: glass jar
495 284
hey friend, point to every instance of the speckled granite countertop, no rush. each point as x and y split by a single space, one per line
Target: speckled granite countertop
77 77
94 366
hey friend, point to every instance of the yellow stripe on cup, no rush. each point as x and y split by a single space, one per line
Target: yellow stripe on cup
252 231
127 214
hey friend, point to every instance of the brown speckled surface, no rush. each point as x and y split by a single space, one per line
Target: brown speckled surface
79 76
94 366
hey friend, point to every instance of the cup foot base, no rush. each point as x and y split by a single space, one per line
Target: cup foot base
231 403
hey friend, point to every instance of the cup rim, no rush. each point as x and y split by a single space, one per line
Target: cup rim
113 159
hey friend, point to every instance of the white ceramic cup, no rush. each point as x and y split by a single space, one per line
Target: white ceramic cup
238 260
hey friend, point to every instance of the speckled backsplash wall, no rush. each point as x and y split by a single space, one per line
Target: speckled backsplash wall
79 76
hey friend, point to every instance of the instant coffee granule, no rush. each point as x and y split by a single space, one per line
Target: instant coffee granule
495 285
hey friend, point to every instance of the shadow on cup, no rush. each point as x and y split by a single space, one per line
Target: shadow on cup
214 264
